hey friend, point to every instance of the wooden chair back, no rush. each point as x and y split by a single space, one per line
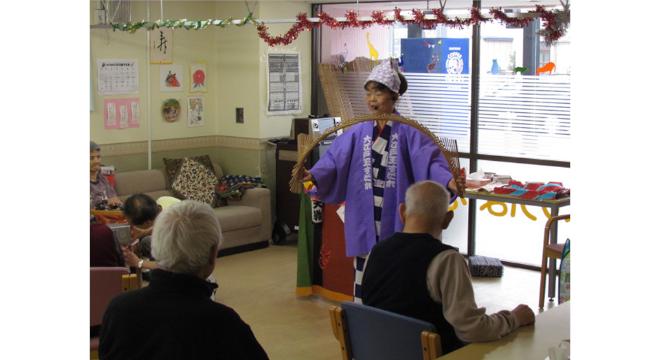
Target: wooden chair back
366 333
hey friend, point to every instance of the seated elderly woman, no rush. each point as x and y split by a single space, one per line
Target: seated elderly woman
140 210
100 190
173 317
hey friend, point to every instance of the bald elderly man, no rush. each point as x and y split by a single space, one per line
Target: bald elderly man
414 274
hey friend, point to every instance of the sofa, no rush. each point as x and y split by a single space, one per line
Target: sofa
246 223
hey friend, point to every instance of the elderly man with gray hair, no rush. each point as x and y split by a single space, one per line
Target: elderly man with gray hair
173 317
414 274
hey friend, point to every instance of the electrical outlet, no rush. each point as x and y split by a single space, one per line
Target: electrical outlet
239 116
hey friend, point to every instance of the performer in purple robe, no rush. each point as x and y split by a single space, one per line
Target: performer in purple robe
371 165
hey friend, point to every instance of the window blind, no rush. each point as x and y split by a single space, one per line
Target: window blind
438 101
525 116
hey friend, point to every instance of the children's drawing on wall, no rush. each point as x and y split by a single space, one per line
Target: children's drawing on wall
171 78
160 46
195 111
121 113
171 109
197 78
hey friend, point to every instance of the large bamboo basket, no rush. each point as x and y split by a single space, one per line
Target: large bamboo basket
306 144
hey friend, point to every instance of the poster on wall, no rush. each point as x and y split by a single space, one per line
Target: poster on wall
160 47
197 78
117 76
121 113
195 111
171 78
284 85
170 109
436 55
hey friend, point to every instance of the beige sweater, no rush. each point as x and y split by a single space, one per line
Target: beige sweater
449 282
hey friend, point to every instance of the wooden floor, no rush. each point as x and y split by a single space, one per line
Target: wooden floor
260 286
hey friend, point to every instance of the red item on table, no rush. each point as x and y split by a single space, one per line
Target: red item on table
503 190
533 185
514 182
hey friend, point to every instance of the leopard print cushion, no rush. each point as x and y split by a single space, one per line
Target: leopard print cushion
194 180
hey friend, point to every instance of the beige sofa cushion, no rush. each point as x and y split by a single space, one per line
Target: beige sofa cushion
140 181
238 217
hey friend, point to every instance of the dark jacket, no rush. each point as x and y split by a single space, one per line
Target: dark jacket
103 250
395 280
174 318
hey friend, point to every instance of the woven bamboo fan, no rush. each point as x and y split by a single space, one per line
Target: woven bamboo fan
305 147
338 82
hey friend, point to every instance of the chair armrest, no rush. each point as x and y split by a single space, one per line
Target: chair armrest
259 198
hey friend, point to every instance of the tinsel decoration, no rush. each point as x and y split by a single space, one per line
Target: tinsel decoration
555 22
302 24
476 17
501 16
379 18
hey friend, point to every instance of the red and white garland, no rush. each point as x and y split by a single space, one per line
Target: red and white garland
554 22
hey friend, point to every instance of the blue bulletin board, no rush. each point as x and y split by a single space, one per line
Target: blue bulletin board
435 55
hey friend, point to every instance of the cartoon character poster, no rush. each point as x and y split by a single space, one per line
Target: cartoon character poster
198 78
171 78
195 111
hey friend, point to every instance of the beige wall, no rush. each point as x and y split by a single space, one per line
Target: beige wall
236 66
277 126
188 47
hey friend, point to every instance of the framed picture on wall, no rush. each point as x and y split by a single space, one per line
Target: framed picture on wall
198 77
171 78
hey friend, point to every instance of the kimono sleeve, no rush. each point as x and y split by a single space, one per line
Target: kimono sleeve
332 170
428 162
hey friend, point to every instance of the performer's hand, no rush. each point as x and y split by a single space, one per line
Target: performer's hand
308 176
452 186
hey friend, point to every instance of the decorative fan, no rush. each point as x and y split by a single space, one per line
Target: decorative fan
305 147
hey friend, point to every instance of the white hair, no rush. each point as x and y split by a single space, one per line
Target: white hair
428 199
184 235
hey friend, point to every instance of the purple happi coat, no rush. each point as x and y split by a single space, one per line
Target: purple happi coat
344 173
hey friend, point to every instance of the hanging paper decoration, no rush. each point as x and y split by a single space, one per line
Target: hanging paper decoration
160 49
